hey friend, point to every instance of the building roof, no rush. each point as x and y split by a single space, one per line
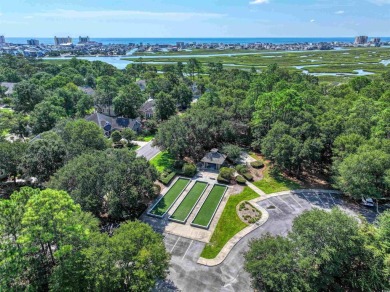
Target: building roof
87 90
114 123
10 87
148 106
141 84
214 157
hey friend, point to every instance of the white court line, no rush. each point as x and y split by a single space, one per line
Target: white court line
187 249
292 196
175 244
285 203
332 199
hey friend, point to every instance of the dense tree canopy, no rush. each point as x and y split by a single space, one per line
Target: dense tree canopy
323 252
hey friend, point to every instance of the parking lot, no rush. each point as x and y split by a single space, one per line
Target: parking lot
187 275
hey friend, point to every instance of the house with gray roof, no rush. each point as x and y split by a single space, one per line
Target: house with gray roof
148 109
110 124
213 159
10 87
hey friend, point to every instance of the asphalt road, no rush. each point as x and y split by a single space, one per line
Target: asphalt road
187 275
148 151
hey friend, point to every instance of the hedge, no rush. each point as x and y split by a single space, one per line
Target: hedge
257 164
240 180
248 176
222 180
166 178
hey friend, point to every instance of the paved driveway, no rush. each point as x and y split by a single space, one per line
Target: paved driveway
187 275
148 151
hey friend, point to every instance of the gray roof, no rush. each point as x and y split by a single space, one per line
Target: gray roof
117 123
87 90
148 106
214 157
141 84
10 87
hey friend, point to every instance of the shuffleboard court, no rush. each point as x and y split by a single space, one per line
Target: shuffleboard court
170 197
187 205
207 211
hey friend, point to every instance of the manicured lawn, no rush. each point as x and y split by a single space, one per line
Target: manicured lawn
228 225
163 161
189 201
275 183
145 138
209 206
170 197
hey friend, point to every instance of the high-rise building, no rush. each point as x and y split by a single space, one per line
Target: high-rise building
62 40
83 40
2 40
376 40
33 42
361 40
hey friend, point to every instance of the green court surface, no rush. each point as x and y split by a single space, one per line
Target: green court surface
189 202
170 197
209 206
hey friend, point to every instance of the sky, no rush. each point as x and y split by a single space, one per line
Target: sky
199 18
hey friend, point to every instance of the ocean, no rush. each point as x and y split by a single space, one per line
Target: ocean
172 41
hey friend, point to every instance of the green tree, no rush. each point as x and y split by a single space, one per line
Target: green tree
113 182
135 244
128 101
183 95
165 106
45 116
27 95
81 136
232 151
44 156
116 136
11 155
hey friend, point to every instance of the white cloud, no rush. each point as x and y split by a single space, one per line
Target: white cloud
340 12
254 2
312 20
120 14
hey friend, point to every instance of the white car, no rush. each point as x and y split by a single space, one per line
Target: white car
368 202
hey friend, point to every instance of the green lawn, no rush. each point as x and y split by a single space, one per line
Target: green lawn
209 206
228 225
145 138
163 161
275 183
170 197
189 201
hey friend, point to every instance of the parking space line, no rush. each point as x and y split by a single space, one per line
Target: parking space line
296 201
276 206
175 244
187 249
285 203
307 200
322 203
332 199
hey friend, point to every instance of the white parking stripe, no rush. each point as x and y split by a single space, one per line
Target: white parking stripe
175 244
332 199
187 249
307 200
285 203
276 206
322 203
292 196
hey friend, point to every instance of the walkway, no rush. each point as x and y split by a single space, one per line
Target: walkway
148 151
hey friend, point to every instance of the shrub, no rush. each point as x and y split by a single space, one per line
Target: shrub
226 173
167 177
241 168
240 180
178 164
222 180
189 169
129 134
116 136
248 176
156 189
257 164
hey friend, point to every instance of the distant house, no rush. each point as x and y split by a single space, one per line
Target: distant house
148 108
213 159
10 87
111 124
87 90
141 84
106 110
